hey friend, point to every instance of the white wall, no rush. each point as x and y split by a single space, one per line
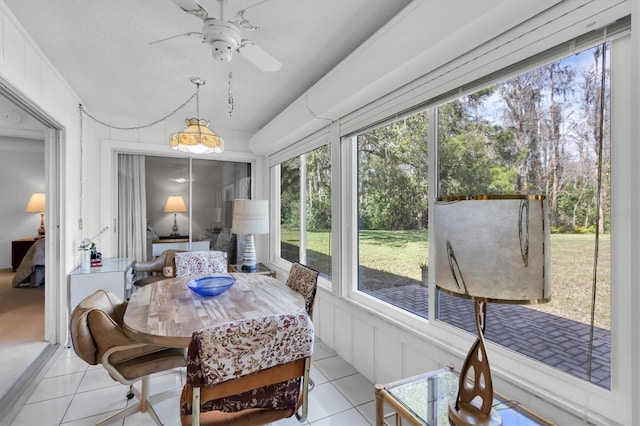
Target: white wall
28 73
21 174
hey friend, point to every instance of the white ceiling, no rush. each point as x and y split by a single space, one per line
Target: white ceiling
101 47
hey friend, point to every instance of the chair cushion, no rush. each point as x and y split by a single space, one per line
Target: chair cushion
242 347
199 263
248 417
158 360
279 396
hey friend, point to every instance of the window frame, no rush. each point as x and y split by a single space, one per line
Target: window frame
276 258
531 374
511 369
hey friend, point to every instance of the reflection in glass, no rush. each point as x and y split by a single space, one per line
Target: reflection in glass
212 184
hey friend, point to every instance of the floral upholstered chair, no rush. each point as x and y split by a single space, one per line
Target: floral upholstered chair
248 372
199 263
304 280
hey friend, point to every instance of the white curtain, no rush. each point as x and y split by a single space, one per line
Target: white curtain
132 207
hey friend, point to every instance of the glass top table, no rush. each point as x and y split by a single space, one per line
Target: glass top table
424 400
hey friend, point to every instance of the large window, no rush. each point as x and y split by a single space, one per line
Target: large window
305 210
541 133
393 213
519 124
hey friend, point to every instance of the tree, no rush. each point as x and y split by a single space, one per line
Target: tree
392 175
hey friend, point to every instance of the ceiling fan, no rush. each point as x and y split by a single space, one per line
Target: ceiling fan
225 37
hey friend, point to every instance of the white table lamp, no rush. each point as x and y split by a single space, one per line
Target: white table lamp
250 217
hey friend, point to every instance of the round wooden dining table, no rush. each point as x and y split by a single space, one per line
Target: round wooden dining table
167 312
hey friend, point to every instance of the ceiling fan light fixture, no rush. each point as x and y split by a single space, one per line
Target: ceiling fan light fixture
197 138
221 51
224 37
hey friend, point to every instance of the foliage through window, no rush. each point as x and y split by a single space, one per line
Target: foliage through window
538 133
305 210
393 213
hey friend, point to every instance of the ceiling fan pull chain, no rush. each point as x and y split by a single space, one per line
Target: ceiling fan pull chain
230 98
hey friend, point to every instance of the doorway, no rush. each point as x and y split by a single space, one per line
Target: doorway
31 152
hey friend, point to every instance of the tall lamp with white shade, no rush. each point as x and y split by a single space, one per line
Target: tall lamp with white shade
489 249
36 204
250 217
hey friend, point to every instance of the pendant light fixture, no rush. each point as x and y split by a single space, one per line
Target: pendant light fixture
197 138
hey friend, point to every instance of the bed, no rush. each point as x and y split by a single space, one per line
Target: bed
30 273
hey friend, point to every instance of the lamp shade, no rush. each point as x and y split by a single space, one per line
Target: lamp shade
250 217
197 138
493 248
36 203
175 204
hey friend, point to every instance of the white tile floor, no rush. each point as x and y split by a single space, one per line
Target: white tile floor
74 393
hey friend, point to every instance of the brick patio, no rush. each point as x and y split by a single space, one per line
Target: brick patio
553 340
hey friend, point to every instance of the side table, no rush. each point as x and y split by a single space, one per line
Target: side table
261 269
424 400
19 249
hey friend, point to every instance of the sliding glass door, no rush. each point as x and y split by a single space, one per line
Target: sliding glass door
189 203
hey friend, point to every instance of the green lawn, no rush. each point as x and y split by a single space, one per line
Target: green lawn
400 252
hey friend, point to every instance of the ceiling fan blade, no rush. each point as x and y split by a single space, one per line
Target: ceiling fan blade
259 57
192 7
192 33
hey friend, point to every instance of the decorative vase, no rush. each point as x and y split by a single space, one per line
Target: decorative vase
85 260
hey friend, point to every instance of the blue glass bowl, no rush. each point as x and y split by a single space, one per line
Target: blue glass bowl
211 286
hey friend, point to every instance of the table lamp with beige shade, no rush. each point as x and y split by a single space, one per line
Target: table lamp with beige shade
489 248
36 204
175 204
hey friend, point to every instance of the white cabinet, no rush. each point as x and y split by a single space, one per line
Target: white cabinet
115 275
